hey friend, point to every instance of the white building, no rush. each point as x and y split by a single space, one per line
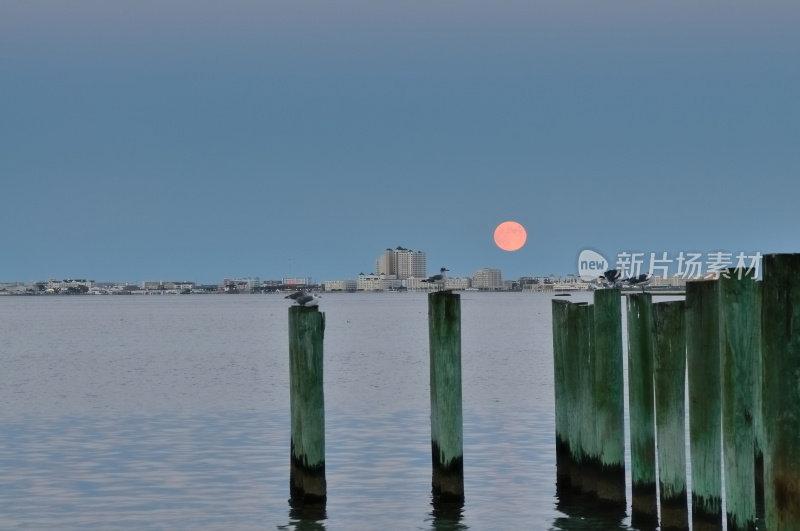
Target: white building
411 264
402 263
487 279
378 283
454 283
340 285
458 283
416 284
385 264
300 281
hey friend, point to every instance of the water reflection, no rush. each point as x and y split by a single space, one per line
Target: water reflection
447 515
306 517
583 512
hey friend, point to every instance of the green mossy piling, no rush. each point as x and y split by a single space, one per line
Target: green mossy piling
703 363
589 405
560 310
588 448
444 328
307 405
608 399
669 354
739 332
577 343
758 407
641 407
736 341
780 325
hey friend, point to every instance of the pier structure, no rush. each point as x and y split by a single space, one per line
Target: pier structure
736 341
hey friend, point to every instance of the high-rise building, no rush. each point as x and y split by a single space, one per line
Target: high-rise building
411 264
385 264
402 263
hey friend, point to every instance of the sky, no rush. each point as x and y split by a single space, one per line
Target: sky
191 139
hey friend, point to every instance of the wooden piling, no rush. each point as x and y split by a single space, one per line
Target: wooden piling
740 323
576 378
758 409
641 410
444 327
560 309
780 327
703 364
669 353
307 405
589 448
608 399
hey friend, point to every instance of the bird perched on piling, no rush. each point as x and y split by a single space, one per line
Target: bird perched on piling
639 280
439 280
611 278
302 298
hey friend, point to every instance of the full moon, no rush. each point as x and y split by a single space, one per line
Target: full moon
510 236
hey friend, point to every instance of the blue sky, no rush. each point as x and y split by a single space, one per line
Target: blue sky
195 139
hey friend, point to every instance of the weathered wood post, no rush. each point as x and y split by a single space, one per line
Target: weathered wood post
579 377
758 376
641 409
609 396
669 352
307 405
575 380
560 311
588 448
444 333
703 364
740 338
780 326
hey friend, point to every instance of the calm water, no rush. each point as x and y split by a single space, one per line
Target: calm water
172 413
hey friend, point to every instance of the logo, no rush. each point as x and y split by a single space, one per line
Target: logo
591 265
684 265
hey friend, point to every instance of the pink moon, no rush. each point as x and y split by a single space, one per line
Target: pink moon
510 236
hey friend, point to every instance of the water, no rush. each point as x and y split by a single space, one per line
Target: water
172 413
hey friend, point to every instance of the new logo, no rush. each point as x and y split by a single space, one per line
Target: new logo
591 265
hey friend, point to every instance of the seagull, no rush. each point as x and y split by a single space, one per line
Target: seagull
303 299
610 278
439 279
639 280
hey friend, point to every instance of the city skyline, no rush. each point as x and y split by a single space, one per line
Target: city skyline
483 279
286 279
401 263
145 140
